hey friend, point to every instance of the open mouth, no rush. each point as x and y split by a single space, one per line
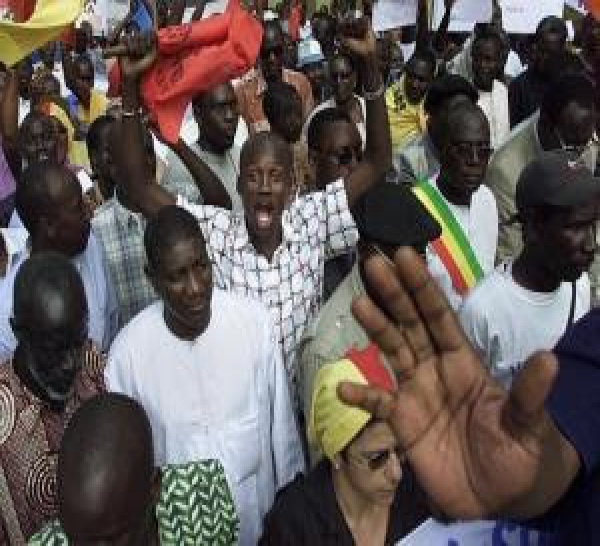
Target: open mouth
264 217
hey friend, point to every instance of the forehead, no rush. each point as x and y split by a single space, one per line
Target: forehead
375 436
339 134
181 253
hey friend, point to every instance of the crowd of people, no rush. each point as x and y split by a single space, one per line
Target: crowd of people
326 313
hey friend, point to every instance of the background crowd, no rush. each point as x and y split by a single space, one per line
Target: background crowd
315 316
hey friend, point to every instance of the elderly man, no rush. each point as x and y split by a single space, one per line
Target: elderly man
53 370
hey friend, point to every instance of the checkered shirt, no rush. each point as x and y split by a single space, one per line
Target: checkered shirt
315 227
121 233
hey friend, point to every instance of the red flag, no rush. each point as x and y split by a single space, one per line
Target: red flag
593 6
196 57
294 22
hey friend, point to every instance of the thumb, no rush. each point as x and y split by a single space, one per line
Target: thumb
529 391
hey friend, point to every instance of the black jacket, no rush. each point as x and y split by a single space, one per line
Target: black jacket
306 512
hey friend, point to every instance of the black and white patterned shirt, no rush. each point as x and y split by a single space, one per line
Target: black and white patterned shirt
316 226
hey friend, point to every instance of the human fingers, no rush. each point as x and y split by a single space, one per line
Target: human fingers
524 409
397 303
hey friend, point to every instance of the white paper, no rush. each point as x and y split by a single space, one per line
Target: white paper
523 16
477 533
464 14
389 14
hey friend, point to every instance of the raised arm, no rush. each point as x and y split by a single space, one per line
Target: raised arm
477 450
378 152
136 182
208 183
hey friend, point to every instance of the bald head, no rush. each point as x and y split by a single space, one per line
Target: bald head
105 469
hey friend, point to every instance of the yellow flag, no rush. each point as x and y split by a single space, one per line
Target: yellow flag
49 19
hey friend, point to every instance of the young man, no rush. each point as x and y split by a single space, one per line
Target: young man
344 77
53 370
467 208
487 58
50 204
567 120
276 251
526 305
217 116
251 88
405 99
283 108
205 365
109 490
526 92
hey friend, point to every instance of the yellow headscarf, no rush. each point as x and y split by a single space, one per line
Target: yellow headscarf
332 425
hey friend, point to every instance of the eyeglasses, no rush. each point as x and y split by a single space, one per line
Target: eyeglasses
377 460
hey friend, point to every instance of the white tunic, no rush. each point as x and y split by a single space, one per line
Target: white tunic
223 396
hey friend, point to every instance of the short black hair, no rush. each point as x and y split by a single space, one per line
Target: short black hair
445 87
552 24
488 31
33 196
96 130
262 140
568 88
319 123
425 55
171 225
43 272
279 98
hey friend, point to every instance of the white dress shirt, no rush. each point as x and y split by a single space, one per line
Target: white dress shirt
223 396
99 292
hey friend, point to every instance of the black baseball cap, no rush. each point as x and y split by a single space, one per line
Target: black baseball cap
390 214
558 179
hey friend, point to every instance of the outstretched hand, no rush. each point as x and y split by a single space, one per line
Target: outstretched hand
476 449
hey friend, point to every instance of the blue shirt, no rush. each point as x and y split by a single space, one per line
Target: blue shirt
574 404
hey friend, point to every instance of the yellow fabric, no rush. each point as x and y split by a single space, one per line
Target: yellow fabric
98 106
406 120
77 150
49 19
332 425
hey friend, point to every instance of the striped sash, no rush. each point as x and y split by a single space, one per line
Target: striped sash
452 247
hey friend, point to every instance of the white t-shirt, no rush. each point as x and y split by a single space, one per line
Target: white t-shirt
508 323
494 104
222 396
480 225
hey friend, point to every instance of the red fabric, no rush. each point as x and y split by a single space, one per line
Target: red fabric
294 22
193 58
593 6
369 362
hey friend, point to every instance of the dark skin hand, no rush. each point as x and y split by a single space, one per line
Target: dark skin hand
463 433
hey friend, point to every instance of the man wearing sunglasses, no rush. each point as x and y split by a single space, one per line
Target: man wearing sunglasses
270 68
53 370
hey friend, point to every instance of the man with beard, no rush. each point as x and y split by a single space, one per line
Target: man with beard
50 204
53 370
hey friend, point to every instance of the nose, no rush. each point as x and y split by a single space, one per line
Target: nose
394 468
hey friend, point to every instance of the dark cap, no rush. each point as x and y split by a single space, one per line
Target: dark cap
556 179
448 86
390 214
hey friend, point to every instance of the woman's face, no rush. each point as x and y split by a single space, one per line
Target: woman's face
371 464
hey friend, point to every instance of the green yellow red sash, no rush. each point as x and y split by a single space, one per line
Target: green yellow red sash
452 247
